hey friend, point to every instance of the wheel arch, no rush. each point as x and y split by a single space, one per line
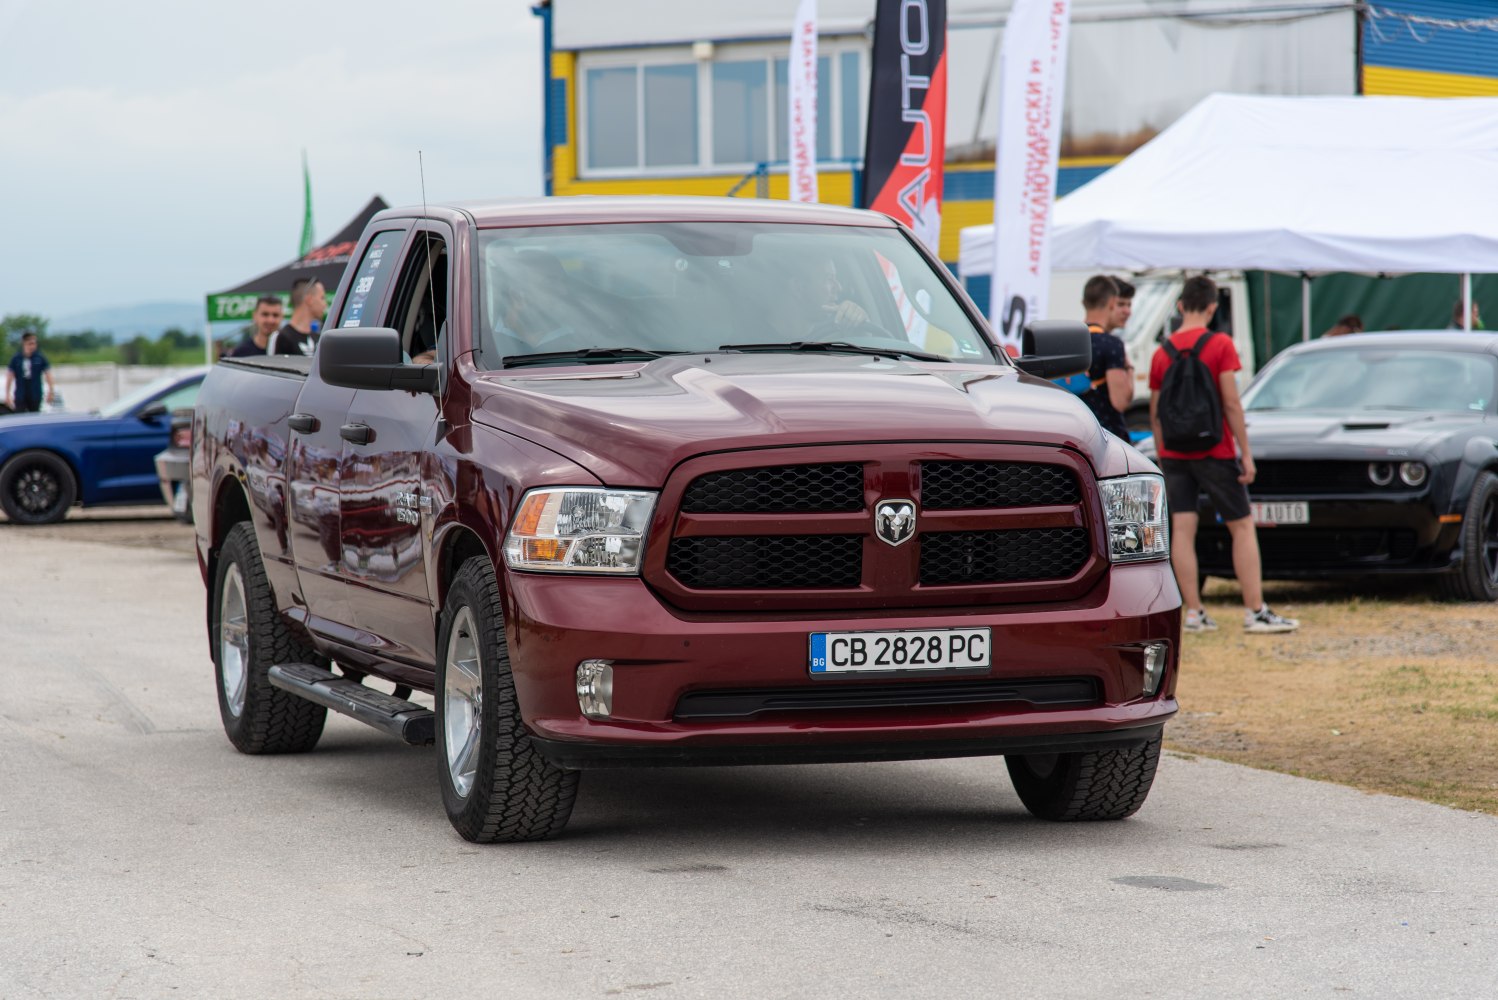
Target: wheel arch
231 505
458 544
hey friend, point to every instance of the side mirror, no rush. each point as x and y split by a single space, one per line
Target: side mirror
370 358
1055 348
151 414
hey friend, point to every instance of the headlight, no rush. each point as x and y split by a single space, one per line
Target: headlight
1380 473
1138 521
580 530
1413 473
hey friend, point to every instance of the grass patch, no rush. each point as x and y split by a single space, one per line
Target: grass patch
1387 691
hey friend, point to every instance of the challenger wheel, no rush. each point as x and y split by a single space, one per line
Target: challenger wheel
1476 579
37 487
495 786
1092 785
248 637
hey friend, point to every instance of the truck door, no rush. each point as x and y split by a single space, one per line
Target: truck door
388 464
315 457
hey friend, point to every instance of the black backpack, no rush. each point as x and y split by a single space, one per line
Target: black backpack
1190 405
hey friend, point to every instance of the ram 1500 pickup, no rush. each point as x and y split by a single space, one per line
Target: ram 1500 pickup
587 483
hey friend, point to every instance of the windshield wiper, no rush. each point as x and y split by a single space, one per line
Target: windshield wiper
836 347
586 354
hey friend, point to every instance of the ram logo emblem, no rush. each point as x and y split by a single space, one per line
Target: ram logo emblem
894 521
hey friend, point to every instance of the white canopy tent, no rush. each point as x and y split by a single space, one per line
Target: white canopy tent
1376 185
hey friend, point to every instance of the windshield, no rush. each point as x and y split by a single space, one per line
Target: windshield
130 401
707 286
1377 378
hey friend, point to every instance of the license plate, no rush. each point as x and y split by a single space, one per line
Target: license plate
1292 512
905 650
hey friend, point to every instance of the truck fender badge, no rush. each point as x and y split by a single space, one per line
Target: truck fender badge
894 521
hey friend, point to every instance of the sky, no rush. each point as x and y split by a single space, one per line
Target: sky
151 151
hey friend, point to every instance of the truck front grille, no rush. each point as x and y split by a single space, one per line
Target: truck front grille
767 562
994 524
952 557
959 485
779 489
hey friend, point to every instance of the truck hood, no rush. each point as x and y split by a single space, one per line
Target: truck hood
1372 433
631 424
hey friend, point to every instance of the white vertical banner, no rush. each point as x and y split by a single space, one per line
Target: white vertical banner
802 117
1032 87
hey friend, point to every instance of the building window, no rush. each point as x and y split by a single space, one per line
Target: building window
740 112
613 125
671 115
658 111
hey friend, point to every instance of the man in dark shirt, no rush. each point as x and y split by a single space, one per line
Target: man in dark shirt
268 311
309 304
1111 375
24 376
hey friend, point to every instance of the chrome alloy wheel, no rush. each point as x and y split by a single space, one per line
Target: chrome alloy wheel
233 640
463 702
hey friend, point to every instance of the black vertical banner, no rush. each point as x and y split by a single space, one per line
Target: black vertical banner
905 151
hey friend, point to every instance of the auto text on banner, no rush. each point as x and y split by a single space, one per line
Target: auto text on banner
1032 85
802 119
905 152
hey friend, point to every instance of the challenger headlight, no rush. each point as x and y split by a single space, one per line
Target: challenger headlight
1413 473
580 529
1138 521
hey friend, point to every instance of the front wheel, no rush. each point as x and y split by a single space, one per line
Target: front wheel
249 637
1476 579
1092 785
495 786
37 487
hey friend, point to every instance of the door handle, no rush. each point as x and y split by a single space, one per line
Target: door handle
304 423
357 433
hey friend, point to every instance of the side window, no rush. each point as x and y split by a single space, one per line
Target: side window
418 309
179 398
372 278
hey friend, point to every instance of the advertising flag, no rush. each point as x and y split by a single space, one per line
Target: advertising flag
1032 84
905 151
802 120
307 238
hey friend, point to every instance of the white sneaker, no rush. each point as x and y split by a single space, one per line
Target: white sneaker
1197 621
1264 620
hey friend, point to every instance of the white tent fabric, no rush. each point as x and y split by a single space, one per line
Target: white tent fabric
1312 184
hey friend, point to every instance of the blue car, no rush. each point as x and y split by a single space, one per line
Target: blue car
50 461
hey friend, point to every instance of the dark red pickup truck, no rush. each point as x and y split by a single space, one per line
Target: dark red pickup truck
657 481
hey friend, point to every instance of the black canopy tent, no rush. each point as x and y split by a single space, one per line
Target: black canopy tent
325 263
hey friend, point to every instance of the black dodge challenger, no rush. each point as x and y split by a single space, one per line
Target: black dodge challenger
1376 453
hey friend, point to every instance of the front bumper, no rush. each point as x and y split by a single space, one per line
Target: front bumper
171 469
1345 536
659 656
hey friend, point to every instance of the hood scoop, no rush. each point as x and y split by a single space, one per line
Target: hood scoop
1382 425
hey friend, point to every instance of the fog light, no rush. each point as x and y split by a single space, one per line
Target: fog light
1154 665
595 688
1413 473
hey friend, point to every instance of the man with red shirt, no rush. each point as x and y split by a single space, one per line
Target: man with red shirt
1218 472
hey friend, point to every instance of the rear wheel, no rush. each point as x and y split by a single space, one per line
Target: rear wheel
37 487
495 786
1476 579
1092 785
249 637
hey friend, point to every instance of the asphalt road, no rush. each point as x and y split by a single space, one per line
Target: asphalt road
140 856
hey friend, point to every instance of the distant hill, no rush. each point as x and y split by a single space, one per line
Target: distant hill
150 318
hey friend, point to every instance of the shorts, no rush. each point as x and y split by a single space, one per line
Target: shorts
1186 479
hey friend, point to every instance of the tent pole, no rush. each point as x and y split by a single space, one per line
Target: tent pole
207 341
1467 301
1305 307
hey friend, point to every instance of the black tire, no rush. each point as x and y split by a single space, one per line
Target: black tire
495 786
1094 785
258 718
37 487
1476 579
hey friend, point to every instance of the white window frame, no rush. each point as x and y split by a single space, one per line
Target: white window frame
639 59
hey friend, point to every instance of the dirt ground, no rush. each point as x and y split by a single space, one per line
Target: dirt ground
1384 688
